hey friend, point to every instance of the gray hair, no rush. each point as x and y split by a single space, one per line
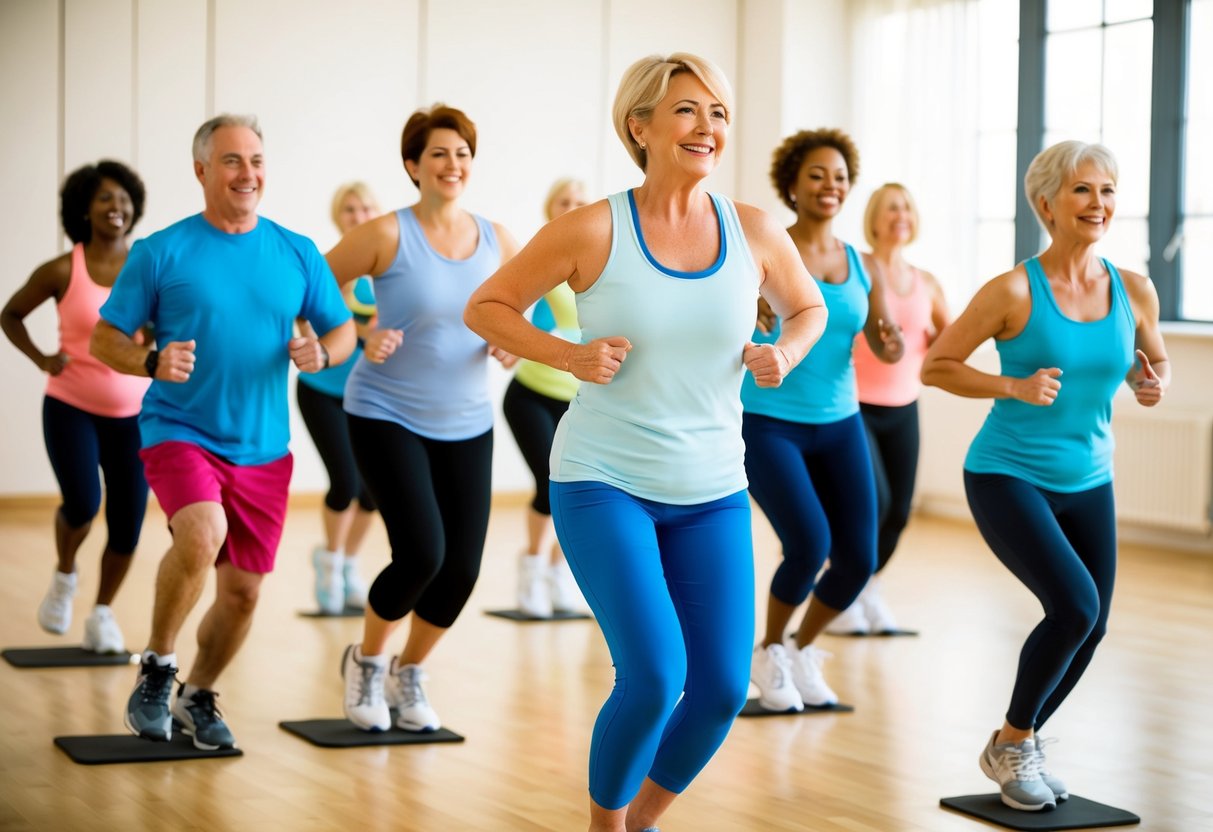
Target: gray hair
202 139
1052 165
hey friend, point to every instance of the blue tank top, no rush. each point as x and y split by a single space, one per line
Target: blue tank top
822 388
668 426
436 383
331 381
1066 446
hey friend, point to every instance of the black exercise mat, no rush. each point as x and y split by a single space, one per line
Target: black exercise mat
557 615
348 612
62 657
127 748
881 634
1075 813
341 733
752 708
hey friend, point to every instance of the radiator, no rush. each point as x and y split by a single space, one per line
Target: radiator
1164 468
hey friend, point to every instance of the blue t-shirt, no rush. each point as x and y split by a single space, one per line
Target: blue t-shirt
1067 446
821 389
237 296
331 382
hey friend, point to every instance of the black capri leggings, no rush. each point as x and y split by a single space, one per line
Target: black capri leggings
532 418
330 432
78 443
893 442
434 498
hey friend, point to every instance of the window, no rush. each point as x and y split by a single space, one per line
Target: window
1196 299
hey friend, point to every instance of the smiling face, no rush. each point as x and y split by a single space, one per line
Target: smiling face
1083 206
687 131
233 177
354 212
893 223
111 210
823 183
569 197
445 165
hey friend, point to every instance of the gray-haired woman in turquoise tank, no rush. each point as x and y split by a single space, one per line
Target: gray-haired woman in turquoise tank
648 479
1069 327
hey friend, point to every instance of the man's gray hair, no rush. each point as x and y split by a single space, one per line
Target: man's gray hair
202 139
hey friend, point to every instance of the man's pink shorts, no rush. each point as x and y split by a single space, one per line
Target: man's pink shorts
253 497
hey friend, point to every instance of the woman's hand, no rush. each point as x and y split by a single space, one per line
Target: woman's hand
54 364
381 343
1145 382
507 359
767 363
1040 388
599 360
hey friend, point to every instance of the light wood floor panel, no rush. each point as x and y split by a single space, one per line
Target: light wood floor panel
1137 733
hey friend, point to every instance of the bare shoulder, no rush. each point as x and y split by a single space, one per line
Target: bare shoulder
588 222
757 224
1009 286
1137 285
507 241
54 274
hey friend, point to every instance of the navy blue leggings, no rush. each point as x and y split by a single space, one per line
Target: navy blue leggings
893 444
1063 548
330 431
814 483
78 443
673 589
532 418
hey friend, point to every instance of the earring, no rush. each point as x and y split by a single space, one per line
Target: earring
644 146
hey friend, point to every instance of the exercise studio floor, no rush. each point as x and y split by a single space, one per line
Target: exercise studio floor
1137 733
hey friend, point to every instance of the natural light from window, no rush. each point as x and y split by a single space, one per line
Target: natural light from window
1197 295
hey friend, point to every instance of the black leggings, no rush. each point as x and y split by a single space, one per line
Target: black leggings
79 442
893 442
532 418
434 498
330 432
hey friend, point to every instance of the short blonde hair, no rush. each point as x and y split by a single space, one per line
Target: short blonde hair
876 202
358 189
644 84
1052 165
557 188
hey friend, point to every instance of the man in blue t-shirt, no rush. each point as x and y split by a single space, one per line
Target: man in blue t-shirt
222 289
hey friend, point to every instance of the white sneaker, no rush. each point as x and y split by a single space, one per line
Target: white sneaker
807 676
880 617
330 587
407 698
850 621
355 587
102 633
55 611
1060 792
1015 767
364 704
566 595
534 598
771 672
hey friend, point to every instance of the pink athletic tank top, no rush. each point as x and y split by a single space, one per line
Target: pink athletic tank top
85 382
895 385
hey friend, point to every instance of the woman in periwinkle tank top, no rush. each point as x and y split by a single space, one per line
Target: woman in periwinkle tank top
421 422
648 480
806 450
1069 328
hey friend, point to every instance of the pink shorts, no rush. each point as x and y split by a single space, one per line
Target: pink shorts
253 497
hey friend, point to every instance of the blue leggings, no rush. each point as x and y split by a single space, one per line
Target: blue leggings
814 483
673 589
1063 548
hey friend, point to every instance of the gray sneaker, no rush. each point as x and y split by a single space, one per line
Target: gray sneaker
1016 769
1059 788
147 710
199 718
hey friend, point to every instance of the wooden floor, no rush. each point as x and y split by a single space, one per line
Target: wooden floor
1137 733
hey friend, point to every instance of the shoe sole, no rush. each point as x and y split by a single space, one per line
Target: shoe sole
988 771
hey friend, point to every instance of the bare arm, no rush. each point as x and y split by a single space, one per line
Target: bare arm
369 249
50 280
1150 375
126 354
880 330
940 316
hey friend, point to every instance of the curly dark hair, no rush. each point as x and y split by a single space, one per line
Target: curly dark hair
789 156
81 186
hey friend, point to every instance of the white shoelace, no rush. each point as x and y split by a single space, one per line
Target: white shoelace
370 684
1023 766
410 687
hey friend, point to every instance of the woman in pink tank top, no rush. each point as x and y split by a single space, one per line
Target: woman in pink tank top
90 412
888 393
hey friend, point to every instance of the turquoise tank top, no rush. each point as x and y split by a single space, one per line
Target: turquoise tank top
668 426
821 389
1066 446
436 383
331 381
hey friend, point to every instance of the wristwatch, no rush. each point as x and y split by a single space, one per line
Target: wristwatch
151 362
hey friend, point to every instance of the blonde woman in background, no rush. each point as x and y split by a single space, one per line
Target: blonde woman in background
348 505
534 402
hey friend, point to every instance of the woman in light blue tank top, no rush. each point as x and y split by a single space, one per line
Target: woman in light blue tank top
421 421
648 481
806 447
1069 327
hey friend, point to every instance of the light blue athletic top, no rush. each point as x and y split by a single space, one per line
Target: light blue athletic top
821 389
436 383
331 382
1066 446
237 296
668 426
